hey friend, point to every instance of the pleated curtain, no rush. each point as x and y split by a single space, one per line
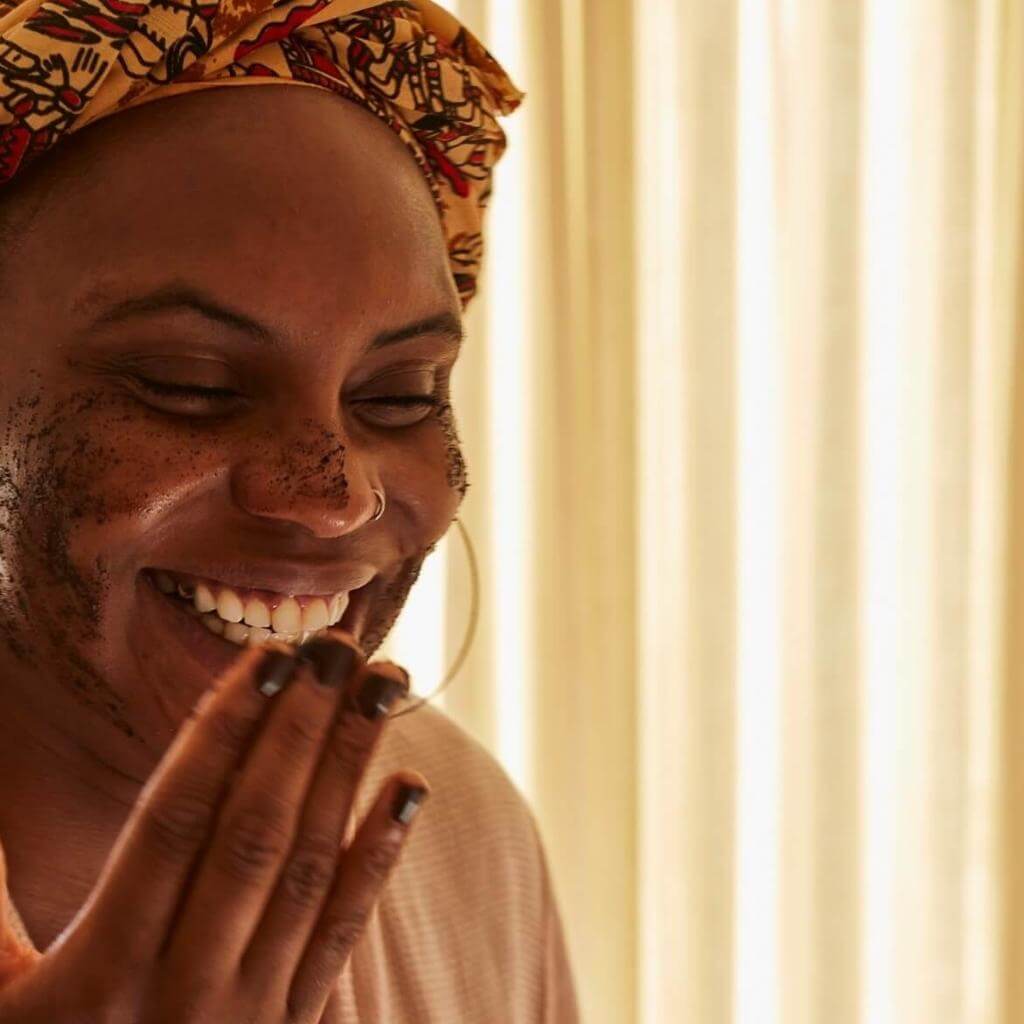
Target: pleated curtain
742 412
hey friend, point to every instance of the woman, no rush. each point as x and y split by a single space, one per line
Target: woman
205 810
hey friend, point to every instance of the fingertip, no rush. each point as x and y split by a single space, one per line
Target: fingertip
334 657
345 637
407 793
392 670
407 787
410 777
246 662
407 804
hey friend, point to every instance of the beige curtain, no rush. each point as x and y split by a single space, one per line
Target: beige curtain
741 415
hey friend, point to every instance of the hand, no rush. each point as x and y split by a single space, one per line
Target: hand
229 894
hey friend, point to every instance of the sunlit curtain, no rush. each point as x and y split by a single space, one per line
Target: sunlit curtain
740 406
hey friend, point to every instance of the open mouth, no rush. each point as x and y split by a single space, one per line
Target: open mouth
252 617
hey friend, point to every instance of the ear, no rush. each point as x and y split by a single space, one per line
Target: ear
17 953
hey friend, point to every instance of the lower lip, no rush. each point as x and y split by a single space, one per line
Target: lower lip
195 642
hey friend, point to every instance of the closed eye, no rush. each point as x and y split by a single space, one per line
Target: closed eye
386 411
404 400
185 390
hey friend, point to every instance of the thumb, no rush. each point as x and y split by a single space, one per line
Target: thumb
17 953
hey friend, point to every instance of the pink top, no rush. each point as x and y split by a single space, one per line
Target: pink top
467 930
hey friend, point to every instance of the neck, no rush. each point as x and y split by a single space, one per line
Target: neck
61 809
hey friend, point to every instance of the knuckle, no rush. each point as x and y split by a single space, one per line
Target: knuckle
93 1001
299 735
192 1002
341 930
228 729
309 871
255 839
349 751
379 858
178 824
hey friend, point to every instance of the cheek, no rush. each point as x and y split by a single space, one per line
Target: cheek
423 473
42 504
433 484
86 479
82 480
455 465
51 599
109 471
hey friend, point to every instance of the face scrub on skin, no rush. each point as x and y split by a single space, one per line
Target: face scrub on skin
228 319
414 69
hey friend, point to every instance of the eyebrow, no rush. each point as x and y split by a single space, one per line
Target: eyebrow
176 296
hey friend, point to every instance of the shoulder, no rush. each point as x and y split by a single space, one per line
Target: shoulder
439 744
476 830
467 919
468 784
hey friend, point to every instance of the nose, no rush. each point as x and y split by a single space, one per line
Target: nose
314 481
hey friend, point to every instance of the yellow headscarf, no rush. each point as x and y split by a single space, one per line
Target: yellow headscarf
67 63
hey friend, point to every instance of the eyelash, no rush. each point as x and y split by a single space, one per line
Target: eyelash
185 390
215 394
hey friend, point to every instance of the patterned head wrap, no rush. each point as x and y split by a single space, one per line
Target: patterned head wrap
67 63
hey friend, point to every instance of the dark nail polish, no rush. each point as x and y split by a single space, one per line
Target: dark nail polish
378 693
332 660
274 671
407 803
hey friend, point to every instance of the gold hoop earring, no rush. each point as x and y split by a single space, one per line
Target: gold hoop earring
474 610
379 511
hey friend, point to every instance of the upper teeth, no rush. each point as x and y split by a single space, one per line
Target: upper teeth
245 617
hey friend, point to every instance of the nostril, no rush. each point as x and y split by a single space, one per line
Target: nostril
267 491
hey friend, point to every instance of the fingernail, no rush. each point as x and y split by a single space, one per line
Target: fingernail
332 659
377 694
407 803
274 671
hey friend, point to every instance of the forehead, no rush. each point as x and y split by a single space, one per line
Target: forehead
291 202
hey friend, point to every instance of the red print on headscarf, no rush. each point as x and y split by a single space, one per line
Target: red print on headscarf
279 30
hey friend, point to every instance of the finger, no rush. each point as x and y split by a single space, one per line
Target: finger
17 952
155 851
333 1010
363 871
310 868
256 825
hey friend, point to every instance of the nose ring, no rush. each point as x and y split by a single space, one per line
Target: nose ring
380 505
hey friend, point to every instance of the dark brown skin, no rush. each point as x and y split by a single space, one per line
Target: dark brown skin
230 894
297 209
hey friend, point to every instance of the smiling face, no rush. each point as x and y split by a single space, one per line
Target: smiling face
276 245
